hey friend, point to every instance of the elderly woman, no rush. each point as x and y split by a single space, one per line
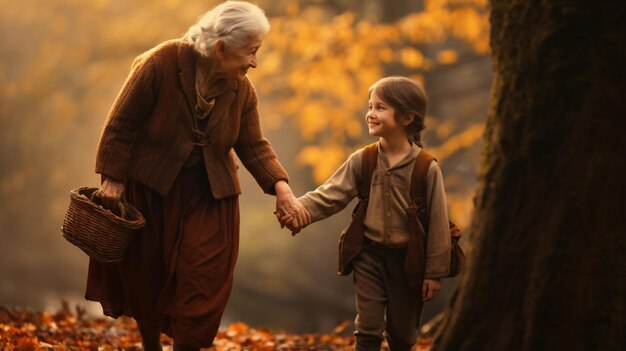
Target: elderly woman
168 145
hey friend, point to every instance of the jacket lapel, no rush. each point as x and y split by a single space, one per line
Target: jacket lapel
221 109
187 75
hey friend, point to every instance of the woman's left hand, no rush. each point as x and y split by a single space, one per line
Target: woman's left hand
288 204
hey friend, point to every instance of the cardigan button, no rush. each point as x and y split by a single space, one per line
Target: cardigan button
388 173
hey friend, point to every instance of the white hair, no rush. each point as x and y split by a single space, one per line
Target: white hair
233 22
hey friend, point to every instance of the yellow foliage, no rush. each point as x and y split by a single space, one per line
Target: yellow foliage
172 3
464 139
324 160
293 8
412 58
443 129
99 4
447 56
424 28
470 25
460 208
271 62
385 55
354 128
317 74
313 119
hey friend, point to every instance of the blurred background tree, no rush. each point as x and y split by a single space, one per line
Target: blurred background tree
62 62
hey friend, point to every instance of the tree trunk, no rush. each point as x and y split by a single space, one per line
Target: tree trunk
548 246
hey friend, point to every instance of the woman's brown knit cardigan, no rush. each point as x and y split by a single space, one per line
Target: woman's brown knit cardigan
149 135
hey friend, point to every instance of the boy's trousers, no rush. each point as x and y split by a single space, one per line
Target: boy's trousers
384 303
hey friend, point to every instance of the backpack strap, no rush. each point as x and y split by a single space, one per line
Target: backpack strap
419 176
419 184
368 166
351 239
417 212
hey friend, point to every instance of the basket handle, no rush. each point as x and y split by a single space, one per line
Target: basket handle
120 205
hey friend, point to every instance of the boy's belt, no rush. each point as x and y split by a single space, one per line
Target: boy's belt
382 247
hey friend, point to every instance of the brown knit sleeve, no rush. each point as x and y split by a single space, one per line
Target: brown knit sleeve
131 107
254 151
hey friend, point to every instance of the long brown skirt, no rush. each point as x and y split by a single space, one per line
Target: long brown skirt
179 268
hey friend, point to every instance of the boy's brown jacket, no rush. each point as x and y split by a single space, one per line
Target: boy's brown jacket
148 134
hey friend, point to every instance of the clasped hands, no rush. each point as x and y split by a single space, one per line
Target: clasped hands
289 211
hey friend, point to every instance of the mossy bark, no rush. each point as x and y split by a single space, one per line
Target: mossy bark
547 269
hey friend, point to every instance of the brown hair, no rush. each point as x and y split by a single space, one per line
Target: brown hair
408 98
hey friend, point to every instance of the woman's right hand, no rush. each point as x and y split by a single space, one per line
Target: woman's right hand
110 193
289 211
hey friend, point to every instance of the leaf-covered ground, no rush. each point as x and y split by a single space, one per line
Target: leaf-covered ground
25 330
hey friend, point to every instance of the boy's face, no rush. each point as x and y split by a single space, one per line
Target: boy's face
380 119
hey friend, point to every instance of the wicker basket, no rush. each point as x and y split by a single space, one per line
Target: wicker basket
100 233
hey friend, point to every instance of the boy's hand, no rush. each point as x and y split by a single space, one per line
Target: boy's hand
430 289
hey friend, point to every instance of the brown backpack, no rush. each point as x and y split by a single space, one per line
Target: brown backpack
351 240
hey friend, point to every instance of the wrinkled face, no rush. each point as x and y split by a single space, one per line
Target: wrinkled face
380 118
235 63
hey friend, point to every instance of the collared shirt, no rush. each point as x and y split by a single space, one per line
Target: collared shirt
386 218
